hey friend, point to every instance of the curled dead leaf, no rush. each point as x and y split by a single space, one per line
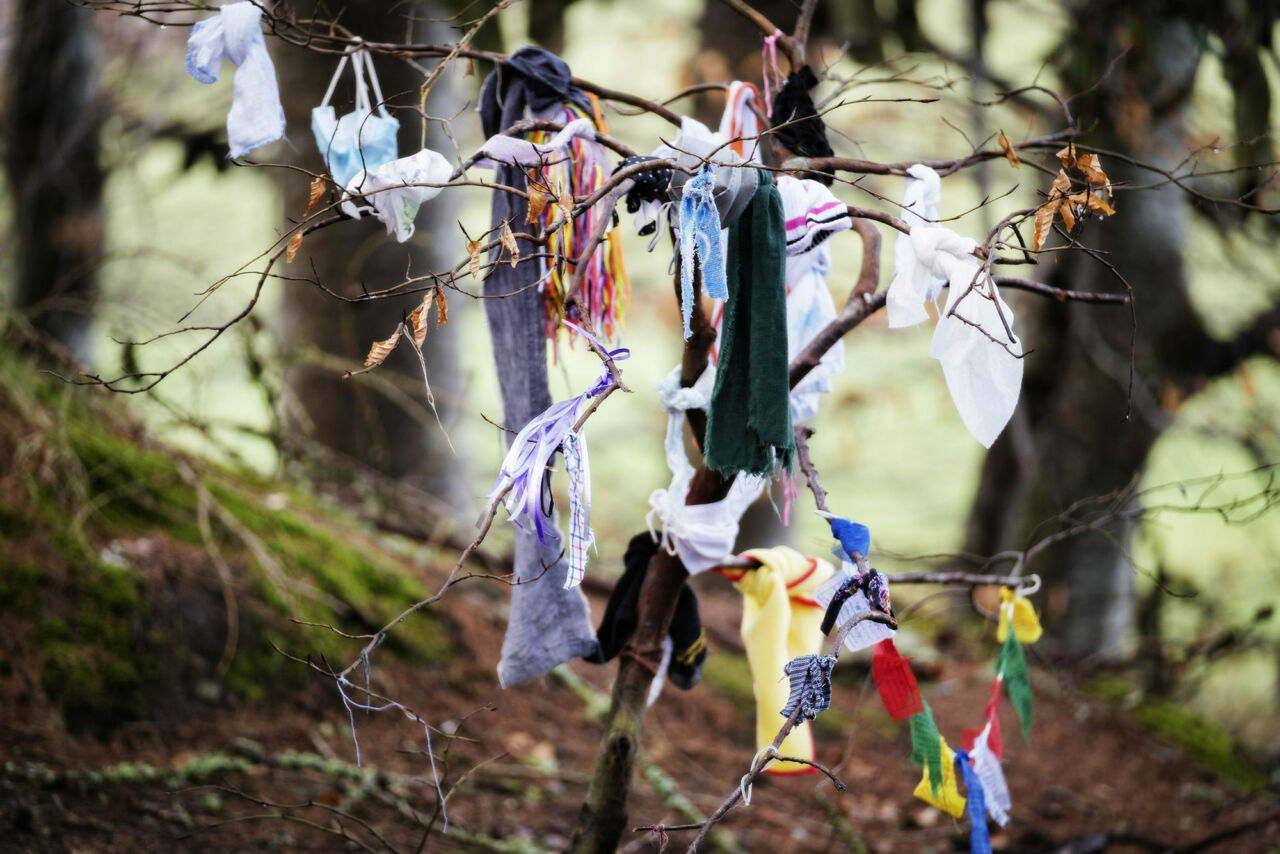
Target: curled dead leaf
1044 222
1007 148
1067 211
1068 155
442 307
471 68
1093 202
564 201
1091 166
381 349
537 202
508 240
1061 185
295 243
317 190
473 262
418 319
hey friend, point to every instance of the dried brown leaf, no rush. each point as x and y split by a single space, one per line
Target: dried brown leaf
295 243
1068 155
564 201
1091 166
1061 185
418 318
1067 211
317 190
1093 202
442 307
471 68
1044 222
537 202
381 349
473 264
1007 148
508 240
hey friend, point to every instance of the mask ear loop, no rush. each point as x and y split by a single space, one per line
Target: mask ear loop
377 90
362 89
333 81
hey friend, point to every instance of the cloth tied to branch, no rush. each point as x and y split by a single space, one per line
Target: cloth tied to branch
780 622
810 677
974 340
256 117
525 470
500 148
700 534
390 193
700 242
913 282
795 121
853 594
739 124
1016 610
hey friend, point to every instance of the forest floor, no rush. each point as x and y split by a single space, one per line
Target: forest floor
143 596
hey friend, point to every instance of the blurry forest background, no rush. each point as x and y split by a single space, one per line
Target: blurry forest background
255 484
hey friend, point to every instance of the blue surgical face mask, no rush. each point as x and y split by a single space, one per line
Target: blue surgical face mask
363 138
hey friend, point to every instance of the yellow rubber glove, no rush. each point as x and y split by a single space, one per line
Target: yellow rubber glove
780 621
1026 625
948 798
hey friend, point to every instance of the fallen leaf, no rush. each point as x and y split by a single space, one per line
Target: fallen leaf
1007 148
1044 222
295 243
317 190
537 202
508 240
442 307
418 318
473 264
564 201
381 349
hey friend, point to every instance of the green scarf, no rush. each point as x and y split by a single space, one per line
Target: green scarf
749 419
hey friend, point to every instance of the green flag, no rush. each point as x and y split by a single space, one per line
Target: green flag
926 746
1012 665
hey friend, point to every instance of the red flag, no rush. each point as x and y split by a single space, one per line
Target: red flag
992 715
895 681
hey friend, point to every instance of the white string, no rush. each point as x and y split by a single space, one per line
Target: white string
745 784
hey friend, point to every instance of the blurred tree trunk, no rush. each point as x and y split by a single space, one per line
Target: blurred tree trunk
392 432
51 153
1070 438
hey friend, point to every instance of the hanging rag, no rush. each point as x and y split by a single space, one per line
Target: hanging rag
913 282
848 594
688 642
362 140
796 123
749 420
1011 668
1016 610
987 766
391 192
945 796
854 538
980 355
700 247
895 682
739 124
256 116
501 148
548 624
648 197
780 622
979 838
810 689
700 534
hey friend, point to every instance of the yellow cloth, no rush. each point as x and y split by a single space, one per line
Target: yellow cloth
780 620
1026 625
948 798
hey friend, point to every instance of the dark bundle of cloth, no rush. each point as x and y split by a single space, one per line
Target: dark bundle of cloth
688 643
795 121
533 78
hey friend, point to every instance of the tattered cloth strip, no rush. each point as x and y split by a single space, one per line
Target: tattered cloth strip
895 682
926 746
700 242
796 123
525 471
605 289
688 642
979 839
848 594
944 793
810 677
987 766
1016 609
913 282
256 116
700 534
779 623
395 190
548 624
854 537
749 420
1012 667
739 124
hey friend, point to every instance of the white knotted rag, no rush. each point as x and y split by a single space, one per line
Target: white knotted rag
390 193
974 340
913 283
256 116
499 149
700 534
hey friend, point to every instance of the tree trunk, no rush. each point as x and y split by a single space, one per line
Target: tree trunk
51 142
392 433
1075 434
